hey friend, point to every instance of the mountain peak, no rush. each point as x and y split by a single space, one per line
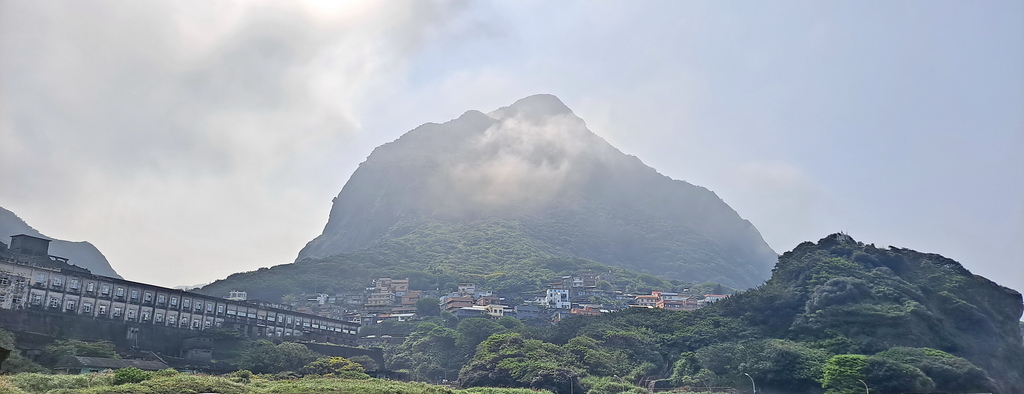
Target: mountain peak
533 107
82 254
534 164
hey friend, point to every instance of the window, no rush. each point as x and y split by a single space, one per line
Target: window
40 278
195 323
145 316
220 308
119 292
159 318
148 297
174 301
199 306
208 324
86 308
16 300
5 280
54 302
73 284
102 309
105 290
117 311
90 287
185 303
57 282
209 307
70 305
135 294
131 313
161 299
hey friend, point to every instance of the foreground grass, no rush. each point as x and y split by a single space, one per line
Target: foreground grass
34 383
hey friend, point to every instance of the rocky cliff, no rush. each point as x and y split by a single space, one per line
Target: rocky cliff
536 164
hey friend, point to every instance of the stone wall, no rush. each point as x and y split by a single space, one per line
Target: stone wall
37 328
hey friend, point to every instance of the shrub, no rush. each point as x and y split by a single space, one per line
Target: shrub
41 383
163 373
131 375
243 375
330 365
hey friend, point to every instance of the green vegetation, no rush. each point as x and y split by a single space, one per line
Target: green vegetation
174 383
336 366
15 362
836 315
264 356
493 254
54 352
131 375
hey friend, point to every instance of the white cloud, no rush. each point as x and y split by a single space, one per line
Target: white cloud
163 132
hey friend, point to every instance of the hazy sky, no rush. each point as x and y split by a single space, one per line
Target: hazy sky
191 139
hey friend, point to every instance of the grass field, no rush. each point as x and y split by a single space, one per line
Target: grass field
169 383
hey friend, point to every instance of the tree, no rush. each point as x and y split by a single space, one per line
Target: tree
950 373
887 376
785 364
131 375
264 357
331 366
474 330
843 373
54 352
511 323
509 360
15 362
428 307
368 363
429 353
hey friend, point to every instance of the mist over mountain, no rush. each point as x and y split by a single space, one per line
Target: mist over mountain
81 253
569 192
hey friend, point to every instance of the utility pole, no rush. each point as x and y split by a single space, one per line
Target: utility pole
752 385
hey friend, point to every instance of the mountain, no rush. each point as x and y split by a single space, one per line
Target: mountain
837 312
82 254
535 168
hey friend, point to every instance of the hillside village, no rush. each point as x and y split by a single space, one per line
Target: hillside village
586 293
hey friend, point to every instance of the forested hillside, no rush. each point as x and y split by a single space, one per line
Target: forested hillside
834 313
494 254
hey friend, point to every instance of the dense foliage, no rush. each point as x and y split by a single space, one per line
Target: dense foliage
15 362
493 254
266 357
54 352
836 316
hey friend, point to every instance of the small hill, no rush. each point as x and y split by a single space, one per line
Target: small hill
535 167
900 320
81 253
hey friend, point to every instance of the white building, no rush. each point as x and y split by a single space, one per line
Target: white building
558 299
38 282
